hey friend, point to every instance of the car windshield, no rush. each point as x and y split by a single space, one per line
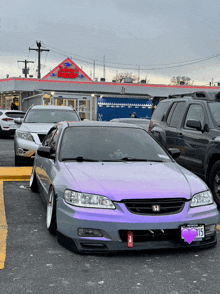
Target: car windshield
50 116
215 110
110 144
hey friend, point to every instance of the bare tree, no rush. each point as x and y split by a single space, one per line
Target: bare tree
119 77
181 80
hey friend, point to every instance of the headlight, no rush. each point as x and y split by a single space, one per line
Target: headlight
202 198
24 135
87 200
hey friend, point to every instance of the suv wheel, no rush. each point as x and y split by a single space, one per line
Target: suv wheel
214 181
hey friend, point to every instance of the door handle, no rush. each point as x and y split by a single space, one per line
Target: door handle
180 135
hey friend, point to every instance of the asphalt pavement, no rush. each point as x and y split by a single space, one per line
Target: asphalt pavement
37 263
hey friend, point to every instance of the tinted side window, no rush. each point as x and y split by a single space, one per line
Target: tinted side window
1 113
177 114
48 138
54 140
160 110
195 112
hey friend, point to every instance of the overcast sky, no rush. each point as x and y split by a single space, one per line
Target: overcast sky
129 33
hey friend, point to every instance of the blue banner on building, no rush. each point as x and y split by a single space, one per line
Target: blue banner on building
109 108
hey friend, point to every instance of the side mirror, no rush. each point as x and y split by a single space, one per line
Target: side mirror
174 152
45 151
195 124
18 120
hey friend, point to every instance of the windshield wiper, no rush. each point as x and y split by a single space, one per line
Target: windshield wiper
137 159
79 158
130 159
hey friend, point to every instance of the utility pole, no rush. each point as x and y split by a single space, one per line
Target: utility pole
25 70
104 66
39 50
93 70
138 73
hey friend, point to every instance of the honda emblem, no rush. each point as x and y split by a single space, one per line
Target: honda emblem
156 207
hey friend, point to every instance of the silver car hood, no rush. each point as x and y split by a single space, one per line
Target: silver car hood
41 128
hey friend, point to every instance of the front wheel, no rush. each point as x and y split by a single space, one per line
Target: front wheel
214 182
51 219
33 182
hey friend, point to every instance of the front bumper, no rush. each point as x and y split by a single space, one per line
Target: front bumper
25 148
111 223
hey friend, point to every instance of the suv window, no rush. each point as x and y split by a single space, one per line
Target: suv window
176 114
196 112
50 116
160 110
215 110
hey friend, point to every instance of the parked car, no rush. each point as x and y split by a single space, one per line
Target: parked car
34 127
111 186
7 124
144 123
191 122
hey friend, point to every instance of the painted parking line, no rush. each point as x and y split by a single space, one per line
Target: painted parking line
8 174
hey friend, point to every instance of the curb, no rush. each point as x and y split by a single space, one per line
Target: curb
15 173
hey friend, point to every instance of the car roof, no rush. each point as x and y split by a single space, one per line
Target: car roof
52 107
130 119
102 124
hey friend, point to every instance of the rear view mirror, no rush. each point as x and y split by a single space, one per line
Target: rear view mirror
195 124
18 120
45 151
174 152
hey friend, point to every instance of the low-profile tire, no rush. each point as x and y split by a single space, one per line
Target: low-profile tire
51 218
214 182
33 182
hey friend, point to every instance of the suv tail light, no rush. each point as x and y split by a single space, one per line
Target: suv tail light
150 125
6 119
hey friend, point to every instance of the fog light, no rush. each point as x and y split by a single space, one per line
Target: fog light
89 233
210 229
20 151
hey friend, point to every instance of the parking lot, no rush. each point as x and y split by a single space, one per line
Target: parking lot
37 263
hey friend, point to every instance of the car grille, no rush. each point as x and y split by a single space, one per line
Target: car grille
145 206
41 137
151 235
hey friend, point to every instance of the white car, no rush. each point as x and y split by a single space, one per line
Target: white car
7 124
34 127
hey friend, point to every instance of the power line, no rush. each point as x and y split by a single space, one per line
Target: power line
39 50
124 66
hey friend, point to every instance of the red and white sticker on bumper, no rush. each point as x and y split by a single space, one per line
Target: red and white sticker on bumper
130 239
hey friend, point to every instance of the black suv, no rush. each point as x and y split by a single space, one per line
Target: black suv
191 122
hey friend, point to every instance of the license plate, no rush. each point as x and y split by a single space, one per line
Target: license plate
200 231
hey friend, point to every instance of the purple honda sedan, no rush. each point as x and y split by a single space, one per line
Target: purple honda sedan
111 186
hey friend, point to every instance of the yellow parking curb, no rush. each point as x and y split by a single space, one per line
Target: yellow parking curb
8 174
